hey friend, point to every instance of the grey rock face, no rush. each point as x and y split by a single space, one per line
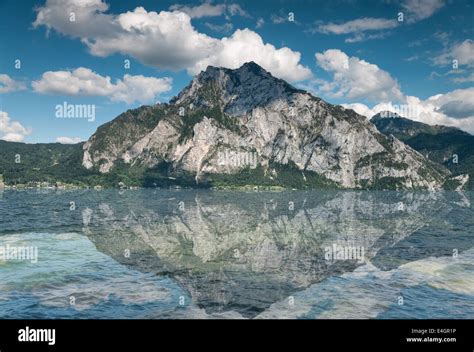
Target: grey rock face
226 121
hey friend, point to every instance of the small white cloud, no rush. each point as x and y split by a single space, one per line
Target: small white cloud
260 23
360 29
462 52
237 10
412 58
68 140
277 19
442 37
12 131
221 28
8 85
357 26
283 17
469 78
359 37
418 10
85 82
13 137
208 9
354 78
204 10
140 88
361 109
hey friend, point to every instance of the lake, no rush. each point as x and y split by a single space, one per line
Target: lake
157 253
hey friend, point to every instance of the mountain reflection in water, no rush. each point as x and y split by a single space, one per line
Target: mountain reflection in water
244 253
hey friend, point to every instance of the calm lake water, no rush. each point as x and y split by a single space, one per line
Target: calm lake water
208 254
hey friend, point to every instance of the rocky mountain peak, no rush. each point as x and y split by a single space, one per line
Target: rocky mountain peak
248 68
386 114
236 91
248 71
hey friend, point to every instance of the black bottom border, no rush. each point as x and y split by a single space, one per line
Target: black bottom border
405 335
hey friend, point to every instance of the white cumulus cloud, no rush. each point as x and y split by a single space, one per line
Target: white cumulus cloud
84 81
244 46
8 85
166 39
68 140
354 78
12 131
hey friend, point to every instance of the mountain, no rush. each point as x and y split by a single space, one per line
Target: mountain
448 146
245 127
48 164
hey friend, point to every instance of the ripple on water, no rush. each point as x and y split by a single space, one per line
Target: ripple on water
69 267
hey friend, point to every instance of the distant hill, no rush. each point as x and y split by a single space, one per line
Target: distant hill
22 163
438 143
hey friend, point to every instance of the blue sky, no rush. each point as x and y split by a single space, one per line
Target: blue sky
355 53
